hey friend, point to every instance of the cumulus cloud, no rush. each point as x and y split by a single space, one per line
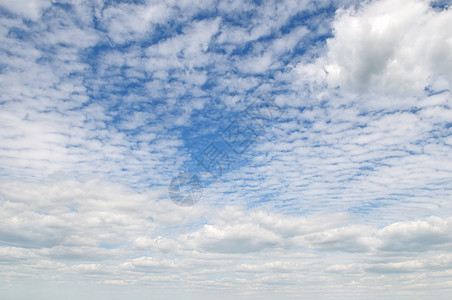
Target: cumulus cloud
393 47
29 9
416 236
105 231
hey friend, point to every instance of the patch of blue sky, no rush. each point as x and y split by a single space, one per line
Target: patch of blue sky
8 14
107 246
440 4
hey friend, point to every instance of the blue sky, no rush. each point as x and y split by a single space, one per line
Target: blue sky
344 193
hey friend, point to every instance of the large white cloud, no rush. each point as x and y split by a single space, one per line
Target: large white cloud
393 47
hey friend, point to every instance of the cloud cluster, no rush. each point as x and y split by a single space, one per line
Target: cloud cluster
116 236
346 194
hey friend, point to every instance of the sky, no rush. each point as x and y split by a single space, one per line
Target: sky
231 149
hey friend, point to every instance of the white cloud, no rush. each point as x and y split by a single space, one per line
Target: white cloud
30 9
417 235
111 233
126 22
391 47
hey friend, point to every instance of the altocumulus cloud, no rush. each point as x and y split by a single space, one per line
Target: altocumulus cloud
346 194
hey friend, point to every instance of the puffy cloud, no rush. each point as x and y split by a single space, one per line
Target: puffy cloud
30 9
417 235
116 236
393 47
126 22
